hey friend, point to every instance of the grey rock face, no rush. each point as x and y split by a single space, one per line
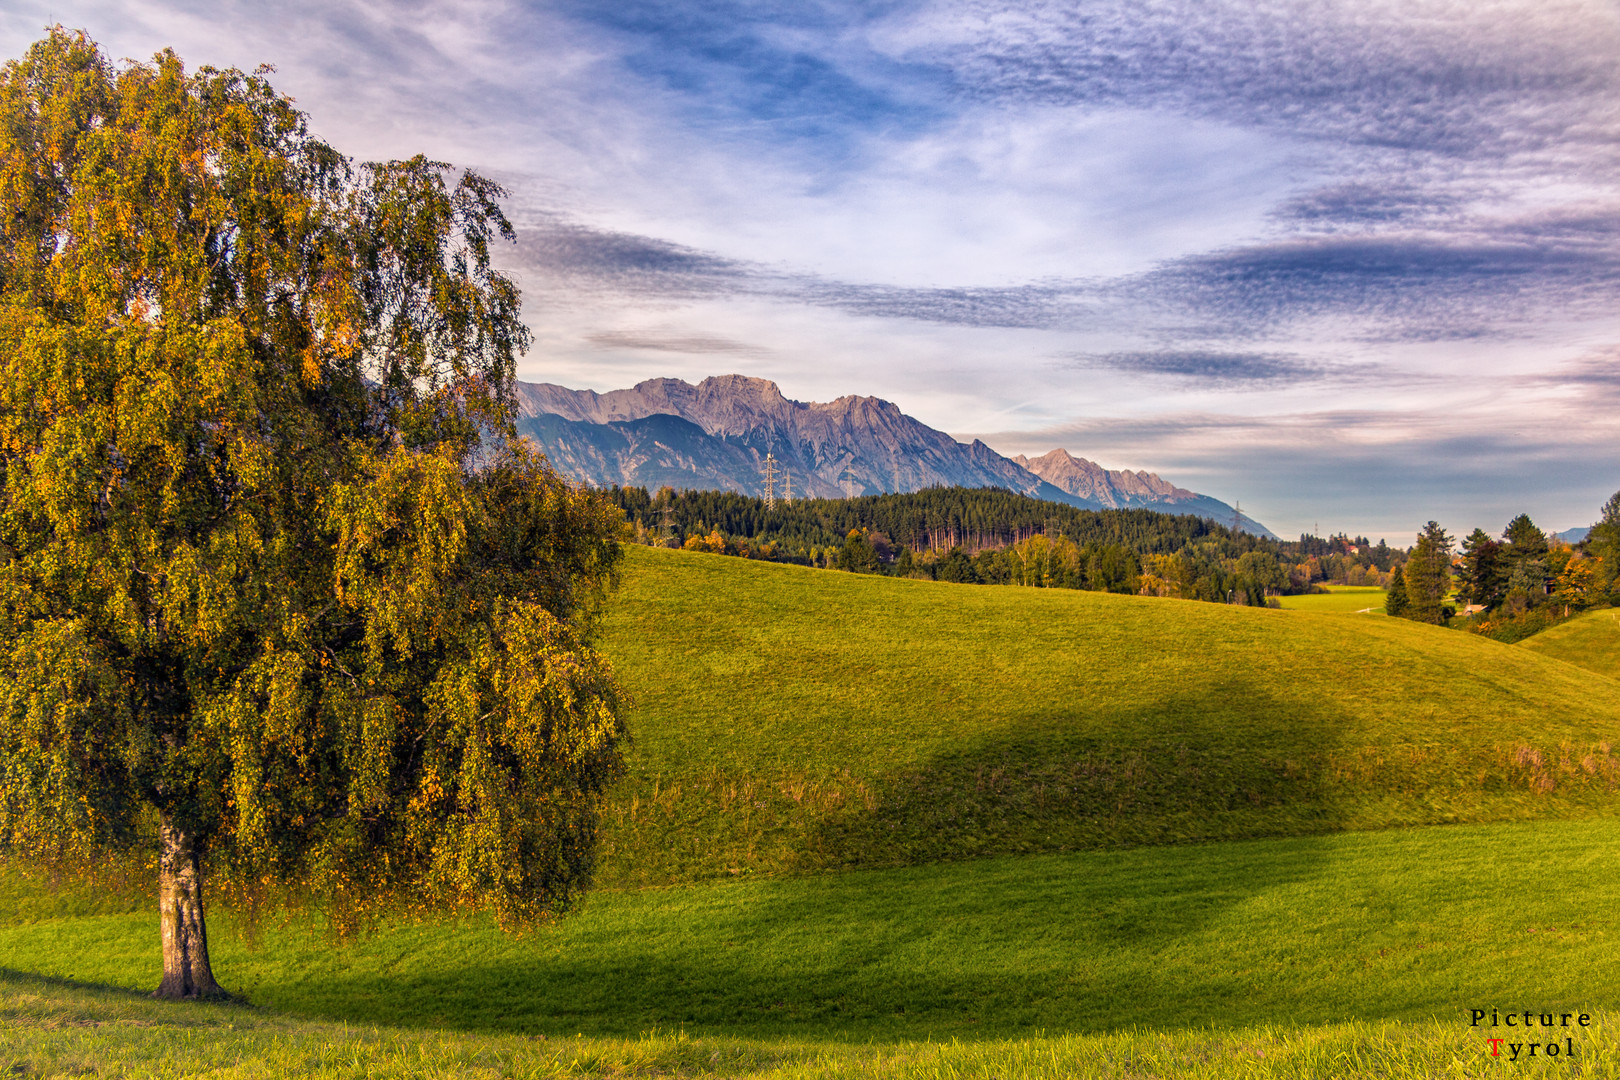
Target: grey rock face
716 435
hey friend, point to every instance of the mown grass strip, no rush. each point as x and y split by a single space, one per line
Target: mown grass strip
52 1030
1402 925
1351 599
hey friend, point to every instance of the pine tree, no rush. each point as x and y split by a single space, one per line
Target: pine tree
1482 580
1428 575
1603 542
1395 602
1524 559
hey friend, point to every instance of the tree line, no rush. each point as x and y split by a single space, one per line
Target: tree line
1511 586
994 536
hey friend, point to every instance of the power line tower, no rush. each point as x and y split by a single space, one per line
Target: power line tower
847 481
770 481
1237 517
787 485
666 527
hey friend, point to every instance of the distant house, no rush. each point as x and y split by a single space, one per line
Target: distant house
1472 609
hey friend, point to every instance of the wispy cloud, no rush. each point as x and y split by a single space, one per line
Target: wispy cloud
692 344
1434 286
1366 203
1469 80
1209 366
595 258
1595 377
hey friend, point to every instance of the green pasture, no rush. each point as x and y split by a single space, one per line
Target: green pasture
798 720
1292 935
1591 641
52 1029
874 827
1351 599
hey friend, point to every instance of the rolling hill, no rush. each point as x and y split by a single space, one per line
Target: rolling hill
1019 769
797 720
1591 641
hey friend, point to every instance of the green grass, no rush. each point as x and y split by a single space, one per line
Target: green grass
796 720
1402 925
1591 641
48 1028
1353 599
1079 835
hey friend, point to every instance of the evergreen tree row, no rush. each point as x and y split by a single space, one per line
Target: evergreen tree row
1513 586
995 536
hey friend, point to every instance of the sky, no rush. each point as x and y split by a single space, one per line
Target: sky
1354 264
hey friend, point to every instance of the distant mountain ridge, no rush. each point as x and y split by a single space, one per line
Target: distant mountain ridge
716 435
1113 489
1121 489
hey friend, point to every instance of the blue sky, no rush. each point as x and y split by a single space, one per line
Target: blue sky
1356 264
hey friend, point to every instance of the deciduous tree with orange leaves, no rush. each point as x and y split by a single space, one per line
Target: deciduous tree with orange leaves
283 598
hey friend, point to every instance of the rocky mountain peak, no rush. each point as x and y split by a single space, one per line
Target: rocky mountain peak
1113 488
717 433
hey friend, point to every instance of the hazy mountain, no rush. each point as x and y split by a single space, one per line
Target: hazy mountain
716 435
865 443
1574 536
1117 489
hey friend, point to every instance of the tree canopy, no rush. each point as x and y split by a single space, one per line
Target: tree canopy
995 536
1428 576
283 596
1604 543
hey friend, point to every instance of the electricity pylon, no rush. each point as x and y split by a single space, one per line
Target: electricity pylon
770 481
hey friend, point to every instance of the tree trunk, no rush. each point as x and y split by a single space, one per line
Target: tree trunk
186 973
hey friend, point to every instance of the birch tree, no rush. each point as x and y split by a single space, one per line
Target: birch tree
283 598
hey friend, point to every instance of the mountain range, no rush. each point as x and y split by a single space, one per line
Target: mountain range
717 434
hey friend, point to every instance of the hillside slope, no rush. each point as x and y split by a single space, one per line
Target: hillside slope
1591 641
793 719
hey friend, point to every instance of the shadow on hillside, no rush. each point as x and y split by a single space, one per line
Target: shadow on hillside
1091 942
947 942
1227 763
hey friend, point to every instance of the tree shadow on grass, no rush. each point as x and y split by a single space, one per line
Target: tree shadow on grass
11 978
55 998
1230 764
1092 941
946 939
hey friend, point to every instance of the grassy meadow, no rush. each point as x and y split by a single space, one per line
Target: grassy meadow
51 1028
1590 641
797 720
874 827
1310 941
1350 599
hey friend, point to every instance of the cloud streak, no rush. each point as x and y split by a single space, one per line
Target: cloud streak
1210 366
690 344
1467 80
